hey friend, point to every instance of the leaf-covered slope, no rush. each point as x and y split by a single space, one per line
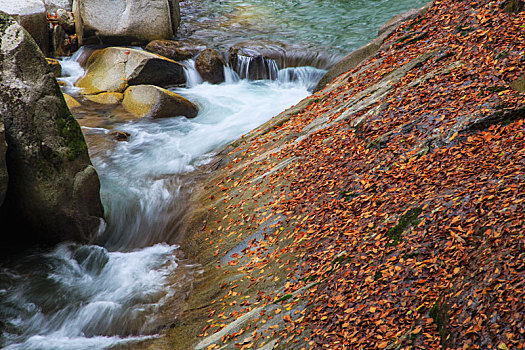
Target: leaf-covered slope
387 210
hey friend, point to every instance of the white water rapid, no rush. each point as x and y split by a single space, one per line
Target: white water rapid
101 296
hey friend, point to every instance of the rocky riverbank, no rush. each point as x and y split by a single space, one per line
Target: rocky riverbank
383 212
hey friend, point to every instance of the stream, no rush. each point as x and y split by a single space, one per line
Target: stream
111 293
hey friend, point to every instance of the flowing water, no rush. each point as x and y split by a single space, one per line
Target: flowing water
115 291
330 27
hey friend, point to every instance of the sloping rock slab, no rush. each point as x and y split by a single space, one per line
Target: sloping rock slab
115 68
53 192
155 102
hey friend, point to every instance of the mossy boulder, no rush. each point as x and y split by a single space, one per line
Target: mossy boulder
115 68
210 66
155 102
53 190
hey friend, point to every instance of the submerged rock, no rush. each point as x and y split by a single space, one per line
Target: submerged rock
155 102
175 50
126 21
31 14
53 192
115 68
210 66
120 135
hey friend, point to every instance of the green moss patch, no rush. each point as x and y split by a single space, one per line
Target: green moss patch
409 218
72 134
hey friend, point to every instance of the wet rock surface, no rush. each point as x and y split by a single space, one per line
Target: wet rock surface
71 101
55 66
210 66
120 135
106 98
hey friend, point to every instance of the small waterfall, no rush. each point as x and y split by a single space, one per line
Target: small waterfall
230 76
306 76
72 69
193 77
263 68
255 68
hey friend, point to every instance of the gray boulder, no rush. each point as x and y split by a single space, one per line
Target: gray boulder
115 68
53 191
31 14
210 66
125 21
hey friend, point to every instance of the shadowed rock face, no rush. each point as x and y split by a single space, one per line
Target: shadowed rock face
53 190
